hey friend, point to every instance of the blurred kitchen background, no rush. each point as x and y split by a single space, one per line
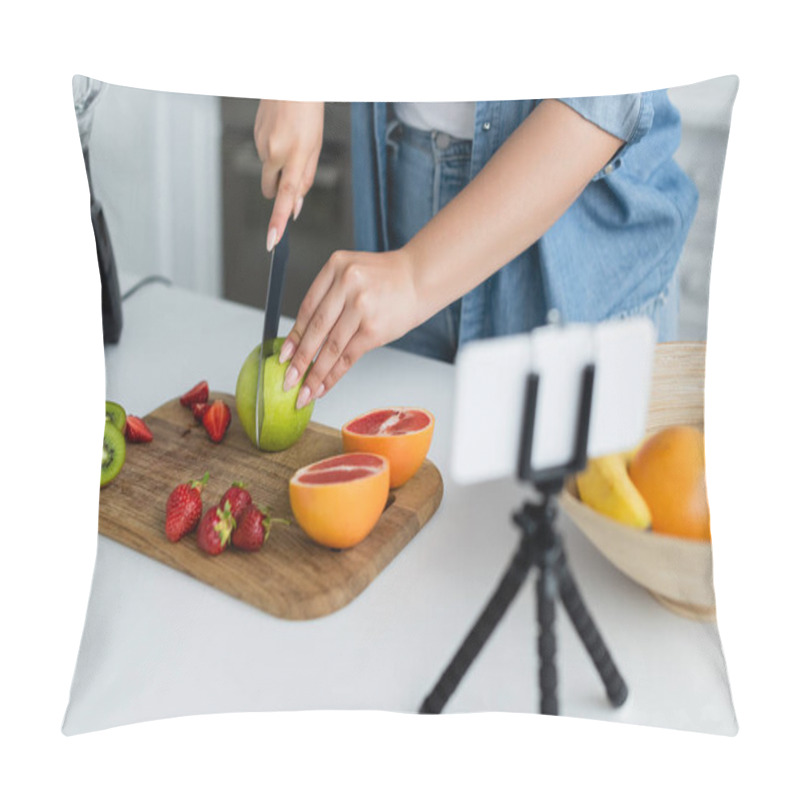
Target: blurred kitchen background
179 180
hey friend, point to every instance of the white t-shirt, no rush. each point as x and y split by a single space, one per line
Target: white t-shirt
456 119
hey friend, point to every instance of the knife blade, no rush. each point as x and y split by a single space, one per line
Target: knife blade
278 260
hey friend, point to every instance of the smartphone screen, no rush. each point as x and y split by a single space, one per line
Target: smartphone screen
491 377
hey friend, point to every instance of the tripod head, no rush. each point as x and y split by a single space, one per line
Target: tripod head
550 481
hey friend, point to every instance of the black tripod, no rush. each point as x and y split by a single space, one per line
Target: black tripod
541 547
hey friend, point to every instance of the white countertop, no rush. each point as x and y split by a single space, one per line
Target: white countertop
158 643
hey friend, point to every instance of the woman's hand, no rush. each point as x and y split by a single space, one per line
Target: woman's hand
288 139
358 301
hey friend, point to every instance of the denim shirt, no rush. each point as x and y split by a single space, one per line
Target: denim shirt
614 250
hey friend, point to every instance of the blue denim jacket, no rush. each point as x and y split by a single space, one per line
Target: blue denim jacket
612 253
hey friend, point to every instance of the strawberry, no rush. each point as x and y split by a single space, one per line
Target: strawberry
197 394
214 533
136 430
184 508
199 410
238 497
252 528
216 420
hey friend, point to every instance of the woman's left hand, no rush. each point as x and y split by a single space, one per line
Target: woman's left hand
358 301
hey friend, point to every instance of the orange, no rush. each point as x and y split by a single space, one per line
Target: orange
669 472
338 501
403 435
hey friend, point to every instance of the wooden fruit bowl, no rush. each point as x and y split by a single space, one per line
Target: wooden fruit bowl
677 571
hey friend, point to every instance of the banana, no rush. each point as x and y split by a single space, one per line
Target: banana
606 487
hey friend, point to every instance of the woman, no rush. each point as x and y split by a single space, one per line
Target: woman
473 220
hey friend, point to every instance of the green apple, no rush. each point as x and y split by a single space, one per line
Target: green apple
283 424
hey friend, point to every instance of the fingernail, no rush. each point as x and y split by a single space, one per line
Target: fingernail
271 237
297 206
287 351
291 378
303 397
320 391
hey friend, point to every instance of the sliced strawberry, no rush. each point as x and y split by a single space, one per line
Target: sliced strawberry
216 420
199 409
184 509
136 430
197 394
238 497
214 533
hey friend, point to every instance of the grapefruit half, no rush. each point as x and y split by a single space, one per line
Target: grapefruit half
338 501
402 435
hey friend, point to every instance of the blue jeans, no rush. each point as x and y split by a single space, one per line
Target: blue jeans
427 169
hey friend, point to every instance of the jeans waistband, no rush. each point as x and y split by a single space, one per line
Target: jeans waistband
437 142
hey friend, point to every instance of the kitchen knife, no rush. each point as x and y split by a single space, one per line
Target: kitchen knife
272 314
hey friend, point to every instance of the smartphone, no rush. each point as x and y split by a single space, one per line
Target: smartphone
491 380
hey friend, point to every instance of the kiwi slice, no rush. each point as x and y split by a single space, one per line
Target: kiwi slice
116 415
113 453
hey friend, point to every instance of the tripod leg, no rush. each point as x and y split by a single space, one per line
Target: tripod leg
546 587
616 688
492 614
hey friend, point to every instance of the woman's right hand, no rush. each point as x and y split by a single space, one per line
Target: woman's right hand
288 138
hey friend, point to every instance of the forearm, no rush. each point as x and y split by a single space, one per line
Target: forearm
362 300
525 187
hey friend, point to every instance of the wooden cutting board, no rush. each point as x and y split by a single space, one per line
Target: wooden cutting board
291 577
